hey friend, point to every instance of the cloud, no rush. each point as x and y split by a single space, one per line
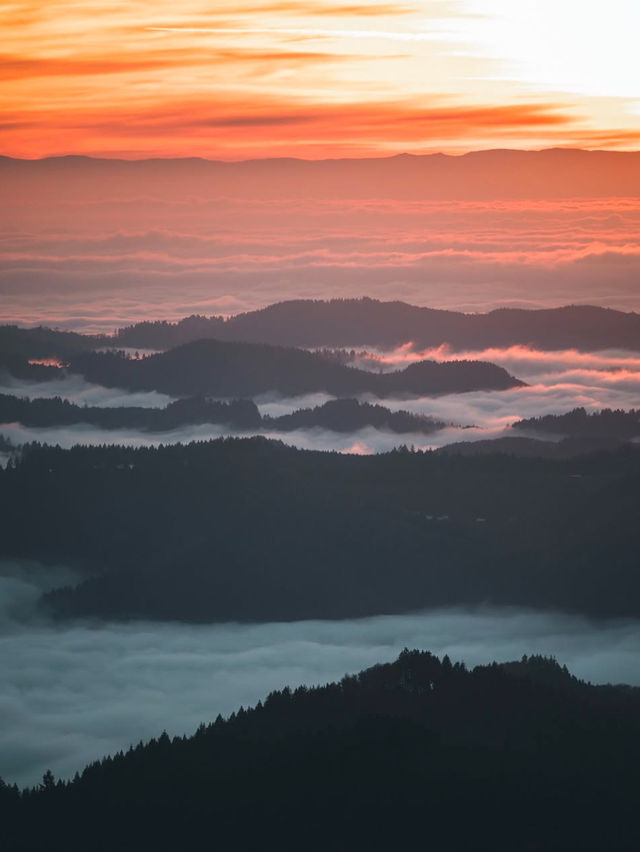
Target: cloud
167 254
557 382
65 92
74 692
77 390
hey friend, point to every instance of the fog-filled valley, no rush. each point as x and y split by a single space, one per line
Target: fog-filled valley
554 382
319 495
74 692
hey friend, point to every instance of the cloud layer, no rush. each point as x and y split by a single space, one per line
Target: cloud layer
557 382
98 264
69 694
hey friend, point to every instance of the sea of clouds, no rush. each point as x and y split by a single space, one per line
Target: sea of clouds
103 264
557 382
73 692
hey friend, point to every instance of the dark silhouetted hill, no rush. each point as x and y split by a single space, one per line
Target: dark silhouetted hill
45 412
222 369
254 530
567 448
340 415
354 322
419 753
46 342
349 415
369 322
604 424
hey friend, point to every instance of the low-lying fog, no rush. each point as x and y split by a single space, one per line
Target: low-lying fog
72 693
75 389
557 382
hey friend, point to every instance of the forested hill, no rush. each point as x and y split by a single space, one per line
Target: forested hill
579 423
419 753
45 342
222 369
369 322
254 530
353 322
337 415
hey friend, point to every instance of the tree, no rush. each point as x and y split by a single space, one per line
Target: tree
48 781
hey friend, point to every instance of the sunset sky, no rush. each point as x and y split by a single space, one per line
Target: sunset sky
317 78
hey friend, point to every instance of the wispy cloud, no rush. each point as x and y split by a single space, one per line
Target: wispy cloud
66 92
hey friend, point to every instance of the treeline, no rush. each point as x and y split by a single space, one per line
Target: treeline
369 322
340 415
18 367
416 753
223 369
54 411
566 448
45 342
354 322
579 423
249 529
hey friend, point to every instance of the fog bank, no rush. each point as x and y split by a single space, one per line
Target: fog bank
557 382
76 389
70 694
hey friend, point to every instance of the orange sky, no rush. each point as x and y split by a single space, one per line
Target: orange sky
316 78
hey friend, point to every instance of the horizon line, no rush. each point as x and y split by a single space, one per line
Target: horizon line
398 155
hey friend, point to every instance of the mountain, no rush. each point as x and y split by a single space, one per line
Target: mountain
44 412
418 753
46 342
338 415
369 322
497 174
250 529
17 367
353 322
223 369
604 424
350 415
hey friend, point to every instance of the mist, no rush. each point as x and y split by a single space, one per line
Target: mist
558 381
70 693
76 389
79 263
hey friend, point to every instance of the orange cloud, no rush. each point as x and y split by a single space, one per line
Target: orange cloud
311 78
226 128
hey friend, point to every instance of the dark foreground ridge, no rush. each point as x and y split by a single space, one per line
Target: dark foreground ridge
250 529
419 753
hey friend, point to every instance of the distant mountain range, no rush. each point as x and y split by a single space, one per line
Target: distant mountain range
419 753
497 174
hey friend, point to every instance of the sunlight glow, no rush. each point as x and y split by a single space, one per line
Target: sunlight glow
315 78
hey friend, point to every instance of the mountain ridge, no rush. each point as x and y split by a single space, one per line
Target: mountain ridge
389 756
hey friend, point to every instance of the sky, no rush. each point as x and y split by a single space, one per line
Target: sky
316 78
